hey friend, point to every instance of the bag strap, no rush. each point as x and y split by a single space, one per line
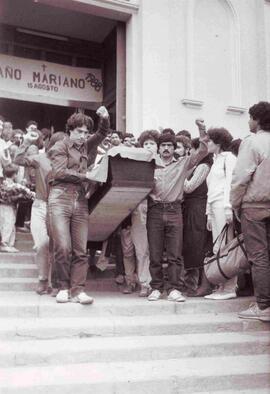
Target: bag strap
241 244
222 234
221 270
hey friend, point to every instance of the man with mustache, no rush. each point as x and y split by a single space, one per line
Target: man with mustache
164 214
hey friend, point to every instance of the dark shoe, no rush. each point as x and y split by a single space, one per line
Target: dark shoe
119 279
144 292
203 291
22 230
190 293
129 289
205 288
52 291
42 287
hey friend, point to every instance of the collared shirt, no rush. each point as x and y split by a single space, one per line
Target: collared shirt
70 162
219 181
169 180
250 181
42 166
5 158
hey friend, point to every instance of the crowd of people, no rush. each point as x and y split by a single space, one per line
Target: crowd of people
200 185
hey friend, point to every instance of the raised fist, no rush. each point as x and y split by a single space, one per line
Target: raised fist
199 122
102 112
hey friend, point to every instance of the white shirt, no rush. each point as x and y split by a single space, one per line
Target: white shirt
219 181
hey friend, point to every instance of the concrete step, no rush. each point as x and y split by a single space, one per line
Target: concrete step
115 325
21 270
135 348
246 391
18 284
19 304
186 375
17 258
23 283
24 236
24 242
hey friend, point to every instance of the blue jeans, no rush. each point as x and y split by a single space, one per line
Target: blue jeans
39 230
68 213
165 230
255 223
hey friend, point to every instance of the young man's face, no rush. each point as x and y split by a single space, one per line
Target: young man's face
127 142
166 150
31 128
180 149
253 125
18 139
150 145
7 134
115 139
79 135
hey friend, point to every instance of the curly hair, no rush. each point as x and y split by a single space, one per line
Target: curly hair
185 133
220 136
168 131
235 145
167 138
128 135
261 113
79 120
119 133
148 135
185 141
31 122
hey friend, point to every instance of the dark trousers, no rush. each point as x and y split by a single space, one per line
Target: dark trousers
165 230
255 224
68 215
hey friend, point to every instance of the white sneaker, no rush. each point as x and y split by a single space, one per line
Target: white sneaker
154 295
82 298
62 296
176 295
223 295
8 249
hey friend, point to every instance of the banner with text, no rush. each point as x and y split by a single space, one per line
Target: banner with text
45 80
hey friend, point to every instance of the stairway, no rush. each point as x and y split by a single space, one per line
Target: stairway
124 344
18 271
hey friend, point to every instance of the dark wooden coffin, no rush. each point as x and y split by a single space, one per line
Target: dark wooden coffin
129 182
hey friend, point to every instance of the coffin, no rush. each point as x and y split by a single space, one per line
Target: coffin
130 177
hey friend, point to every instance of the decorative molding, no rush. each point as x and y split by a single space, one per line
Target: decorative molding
189 48
237 88
236 110
192 103
132 4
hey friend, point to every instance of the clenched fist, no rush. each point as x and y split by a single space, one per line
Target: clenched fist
102 112
200 123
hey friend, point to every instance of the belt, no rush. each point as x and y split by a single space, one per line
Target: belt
164 204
